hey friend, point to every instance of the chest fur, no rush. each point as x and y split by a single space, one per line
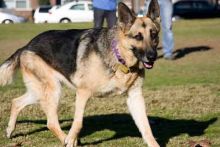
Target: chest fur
118 83
103 83
93 75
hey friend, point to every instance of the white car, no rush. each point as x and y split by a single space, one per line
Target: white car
81 11
41 14
6 18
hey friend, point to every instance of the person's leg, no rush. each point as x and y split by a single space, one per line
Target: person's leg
166 10
111 18
146 5
98 18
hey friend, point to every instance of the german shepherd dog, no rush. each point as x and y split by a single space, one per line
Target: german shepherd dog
93 62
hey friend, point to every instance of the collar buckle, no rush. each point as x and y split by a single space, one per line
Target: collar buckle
121 67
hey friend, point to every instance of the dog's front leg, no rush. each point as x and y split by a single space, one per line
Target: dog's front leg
82 96
136 107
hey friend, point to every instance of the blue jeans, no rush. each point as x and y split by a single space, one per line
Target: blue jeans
166 11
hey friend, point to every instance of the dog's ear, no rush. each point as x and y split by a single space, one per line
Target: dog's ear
126 17
154 11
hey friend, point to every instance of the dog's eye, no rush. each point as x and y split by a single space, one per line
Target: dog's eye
139 37
153 34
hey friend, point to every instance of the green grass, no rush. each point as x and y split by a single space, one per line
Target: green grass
182 96
29 30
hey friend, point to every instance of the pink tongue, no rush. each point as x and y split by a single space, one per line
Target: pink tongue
146 65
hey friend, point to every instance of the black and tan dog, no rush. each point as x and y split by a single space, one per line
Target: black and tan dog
94 62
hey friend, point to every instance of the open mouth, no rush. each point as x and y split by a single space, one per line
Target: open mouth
148 65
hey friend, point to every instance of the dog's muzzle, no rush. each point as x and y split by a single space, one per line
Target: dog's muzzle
146 57
151 56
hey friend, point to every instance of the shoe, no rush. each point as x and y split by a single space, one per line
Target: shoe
168 57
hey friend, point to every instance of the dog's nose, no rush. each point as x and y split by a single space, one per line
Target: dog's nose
152 55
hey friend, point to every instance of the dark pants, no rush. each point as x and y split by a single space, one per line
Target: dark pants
100 15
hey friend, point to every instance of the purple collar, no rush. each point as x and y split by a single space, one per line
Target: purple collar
116 52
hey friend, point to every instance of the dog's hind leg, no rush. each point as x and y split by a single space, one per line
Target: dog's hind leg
45 84
82 96
49 103
30 97
136 107
17 105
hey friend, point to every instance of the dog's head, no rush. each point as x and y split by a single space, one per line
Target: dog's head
139 37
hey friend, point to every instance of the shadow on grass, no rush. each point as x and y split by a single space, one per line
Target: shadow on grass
123 126
180 53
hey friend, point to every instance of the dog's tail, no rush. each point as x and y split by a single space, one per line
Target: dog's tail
8 68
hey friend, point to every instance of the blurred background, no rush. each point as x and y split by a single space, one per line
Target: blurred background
29 10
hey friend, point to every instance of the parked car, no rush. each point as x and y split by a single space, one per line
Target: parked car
7 18
41 14
81 11
195 9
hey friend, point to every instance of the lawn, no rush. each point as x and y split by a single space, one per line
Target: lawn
182 96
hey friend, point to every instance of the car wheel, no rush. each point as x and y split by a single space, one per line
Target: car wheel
65 20
7 21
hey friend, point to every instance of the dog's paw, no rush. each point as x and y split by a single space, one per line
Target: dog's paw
9 132
151 142
154 145
70 142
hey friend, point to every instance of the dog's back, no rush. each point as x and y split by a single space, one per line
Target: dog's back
58 48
